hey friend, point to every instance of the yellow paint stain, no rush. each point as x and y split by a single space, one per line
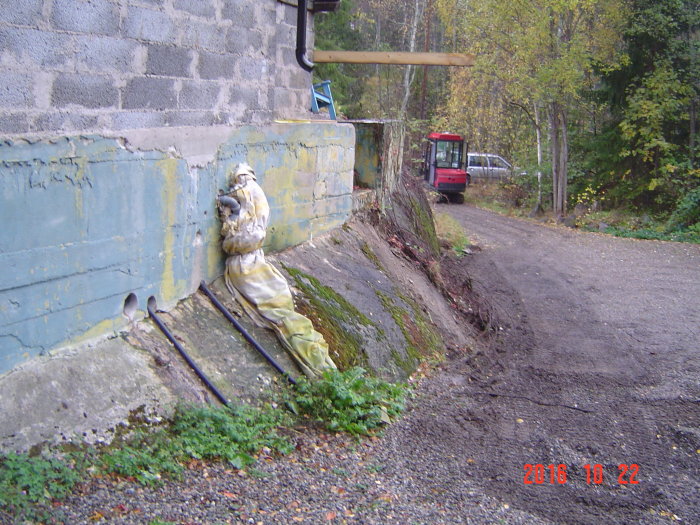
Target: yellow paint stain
101 329
79 202
79 197
169 287
214 251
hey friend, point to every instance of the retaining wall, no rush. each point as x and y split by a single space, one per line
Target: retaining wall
89 219
378 155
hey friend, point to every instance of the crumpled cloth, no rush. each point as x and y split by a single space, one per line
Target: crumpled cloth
259 287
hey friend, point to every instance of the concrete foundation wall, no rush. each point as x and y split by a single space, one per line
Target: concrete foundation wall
378 155
92 66
89 219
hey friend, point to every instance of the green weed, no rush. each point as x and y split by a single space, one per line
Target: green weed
688 235
28 485
350 401
198 432
375 467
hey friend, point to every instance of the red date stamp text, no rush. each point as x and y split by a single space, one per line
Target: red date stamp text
539 474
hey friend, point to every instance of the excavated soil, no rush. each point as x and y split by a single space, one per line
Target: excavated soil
590 355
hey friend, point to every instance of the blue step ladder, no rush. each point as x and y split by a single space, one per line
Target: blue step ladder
321 97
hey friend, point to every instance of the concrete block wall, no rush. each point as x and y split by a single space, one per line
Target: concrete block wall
89 219
95 65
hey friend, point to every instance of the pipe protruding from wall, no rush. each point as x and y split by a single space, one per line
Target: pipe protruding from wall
152 307
131 305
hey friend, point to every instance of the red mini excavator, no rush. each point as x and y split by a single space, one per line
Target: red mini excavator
443 165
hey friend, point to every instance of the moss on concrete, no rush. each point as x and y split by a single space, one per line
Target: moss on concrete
332 316
422 339
367 250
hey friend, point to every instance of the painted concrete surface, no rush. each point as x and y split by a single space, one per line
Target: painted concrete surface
89 220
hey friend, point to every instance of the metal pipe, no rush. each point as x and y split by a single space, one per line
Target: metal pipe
151 307
244 332
303 60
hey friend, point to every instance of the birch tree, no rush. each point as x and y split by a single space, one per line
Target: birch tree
543 52
409 71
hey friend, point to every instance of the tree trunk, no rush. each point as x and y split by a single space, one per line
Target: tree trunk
426 48
560 156
377 67
408 72
538 131
691 139
563 160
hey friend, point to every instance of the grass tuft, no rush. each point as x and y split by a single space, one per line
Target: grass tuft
451 232
198 432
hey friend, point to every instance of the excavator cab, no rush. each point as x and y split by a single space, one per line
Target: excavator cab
443 165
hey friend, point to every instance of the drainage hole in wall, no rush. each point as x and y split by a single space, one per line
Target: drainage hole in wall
198 238
152 305
131 304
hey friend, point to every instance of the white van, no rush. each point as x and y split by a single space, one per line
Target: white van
485 166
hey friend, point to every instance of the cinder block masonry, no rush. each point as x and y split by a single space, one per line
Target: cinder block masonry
72 66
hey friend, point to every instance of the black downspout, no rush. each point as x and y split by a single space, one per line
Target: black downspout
303 60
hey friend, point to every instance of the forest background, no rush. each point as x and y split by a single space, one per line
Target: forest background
595 100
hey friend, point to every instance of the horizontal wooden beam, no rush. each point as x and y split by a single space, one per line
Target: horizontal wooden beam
393 57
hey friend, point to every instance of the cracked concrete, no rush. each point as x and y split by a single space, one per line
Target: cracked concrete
90 220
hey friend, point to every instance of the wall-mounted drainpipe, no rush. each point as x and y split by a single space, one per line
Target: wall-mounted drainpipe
151 307
303 60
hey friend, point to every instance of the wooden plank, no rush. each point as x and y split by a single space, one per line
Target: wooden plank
393 57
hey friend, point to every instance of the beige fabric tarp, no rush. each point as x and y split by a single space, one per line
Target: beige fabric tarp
257 285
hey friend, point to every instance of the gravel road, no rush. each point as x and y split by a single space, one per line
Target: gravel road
596 362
